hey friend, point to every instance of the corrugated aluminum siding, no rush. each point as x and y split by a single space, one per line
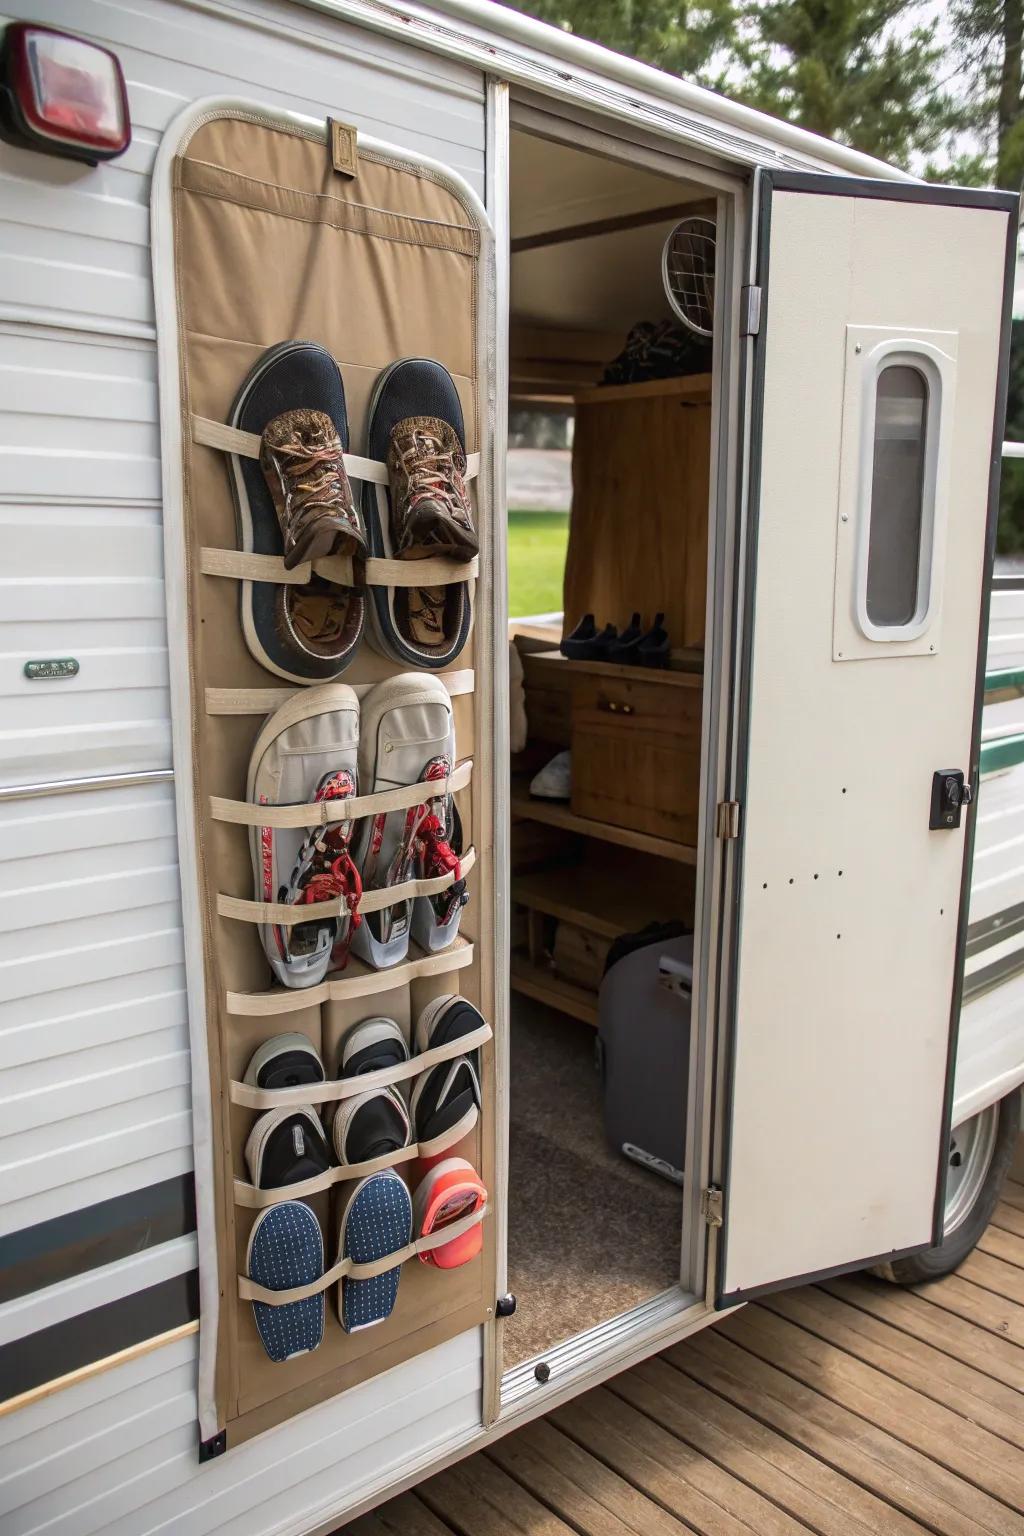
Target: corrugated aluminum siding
94 1086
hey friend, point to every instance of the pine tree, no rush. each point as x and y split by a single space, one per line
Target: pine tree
990 38
859 71
683 39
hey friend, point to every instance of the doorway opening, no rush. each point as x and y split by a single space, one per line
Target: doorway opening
614 383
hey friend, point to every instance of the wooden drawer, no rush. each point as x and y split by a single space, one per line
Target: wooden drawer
636 751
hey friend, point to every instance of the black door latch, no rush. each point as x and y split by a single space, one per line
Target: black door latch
950 793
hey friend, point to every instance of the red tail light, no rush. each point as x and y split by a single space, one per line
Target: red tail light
62 95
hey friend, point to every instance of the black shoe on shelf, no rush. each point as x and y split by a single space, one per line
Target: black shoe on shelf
574 646
624 651
601 648
653 650
587 643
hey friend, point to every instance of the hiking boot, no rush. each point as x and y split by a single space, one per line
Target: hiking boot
301 459
430 511
295 501
416 426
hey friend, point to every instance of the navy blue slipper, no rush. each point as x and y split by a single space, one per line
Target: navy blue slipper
286 1248
377 1221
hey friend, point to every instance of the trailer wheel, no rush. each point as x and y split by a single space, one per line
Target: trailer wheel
980 1154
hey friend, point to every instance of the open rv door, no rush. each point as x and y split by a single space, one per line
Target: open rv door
879 366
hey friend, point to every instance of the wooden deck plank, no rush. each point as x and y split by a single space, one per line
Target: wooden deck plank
1007 1218
853 1408
995 1275
681 1489
938 1432
578 1486
404 1516
477 1498
1001 1244
955 1336
823 1501
976 1305
927 1370
897 1473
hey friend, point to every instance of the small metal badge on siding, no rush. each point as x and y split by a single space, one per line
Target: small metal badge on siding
343 139
63 666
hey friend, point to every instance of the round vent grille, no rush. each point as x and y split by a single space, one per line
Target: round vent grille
688 272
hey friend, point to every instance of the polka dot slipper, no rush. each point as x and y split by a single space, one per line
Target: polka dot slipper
377 1221
286 1248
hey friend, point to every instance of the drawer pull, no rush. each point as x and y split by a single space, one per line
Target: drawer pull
614 707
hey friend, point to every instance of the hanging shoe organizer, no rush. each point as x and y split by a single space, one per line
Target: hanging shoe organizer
263 237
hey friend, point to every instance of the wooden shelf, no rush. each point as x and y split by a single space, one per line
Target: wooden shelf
537 982
607 901
556 813
694 386
686 671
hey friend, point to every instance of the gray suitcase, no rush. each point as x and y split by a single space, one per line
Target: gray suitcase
644 1049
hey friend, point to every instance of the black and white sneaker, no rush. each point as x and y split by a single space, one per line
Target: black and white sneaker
285 1061
370 1125
371 1046
446 1096
286 1146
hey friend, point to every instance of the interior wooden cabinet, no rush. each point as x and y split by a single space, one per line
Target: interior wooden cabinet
617 850
272 244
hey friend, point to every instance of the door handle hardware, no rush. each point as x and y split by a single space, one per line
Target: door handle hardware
612 706
951 791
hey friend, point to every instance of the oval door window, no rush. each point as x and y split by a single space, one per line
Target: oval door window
897 523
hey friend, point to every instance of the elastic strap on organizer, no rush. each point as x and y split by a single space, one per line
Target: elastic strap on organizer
259 1199
345 1269
286 914
260 701
251 1097
240 566
323 813
217 434
363 982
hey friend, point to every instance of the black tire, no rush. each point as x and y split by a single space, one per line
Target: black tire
941 1260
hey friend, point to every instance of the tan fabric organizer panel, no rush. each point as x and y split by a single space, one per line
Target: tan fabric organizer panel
272 244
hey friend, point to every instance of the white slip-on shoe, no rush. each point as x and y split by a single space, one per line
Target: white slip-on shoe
407 736
306 753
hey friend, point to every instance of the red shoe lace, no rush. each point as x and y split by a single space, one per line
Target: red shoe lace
340 878
437 855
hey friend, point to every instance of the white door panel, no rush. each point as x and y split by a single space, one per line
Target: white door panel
849 906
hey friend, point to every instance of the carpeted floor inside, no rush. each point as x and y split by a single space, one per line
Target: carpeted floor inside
590 1234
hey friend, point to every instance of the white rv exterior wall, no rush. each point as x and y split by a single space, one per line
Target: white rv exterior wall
93 1030
94 1066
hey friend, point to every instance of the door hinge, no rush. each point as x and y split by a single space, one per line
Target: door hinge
750 310
727 819
711 1205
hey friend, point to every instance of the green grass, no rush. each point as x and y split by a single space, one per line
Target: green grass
536 561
